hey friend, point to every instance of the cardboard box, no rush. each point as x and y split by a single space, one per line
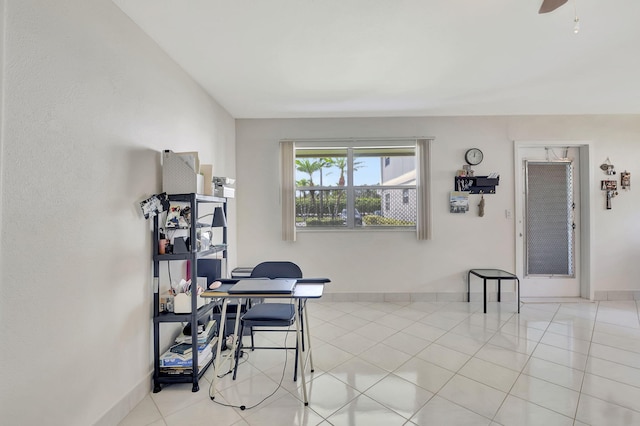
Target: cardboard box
206 170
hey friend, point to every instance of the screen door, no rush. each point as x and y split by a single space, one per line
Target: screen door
549 208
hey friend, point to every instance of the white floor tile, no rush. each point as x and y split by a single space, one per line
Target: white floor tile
358 373
614 371
439 411
202 413
555 373
440 321
566 342
396 363
615 341
560 356
612 391
444 357
385 356
424 331
424 374
513 343
467 345
328 395
403 397
475 396
621 356
406 342
594 411
503 357
284 410
489 374
353 343
364 411
146 412
548 395
518 412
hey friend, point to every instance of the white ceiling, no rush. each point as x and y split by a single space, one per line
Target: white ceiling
373 58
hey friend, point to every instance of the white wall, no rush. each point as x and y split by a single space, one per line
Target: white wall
89 103
362 262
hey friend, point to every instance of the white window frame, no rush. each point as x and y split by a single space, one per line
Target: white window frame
423 181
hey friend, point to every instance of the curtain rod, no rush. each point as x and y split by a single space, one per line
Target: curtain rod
352 139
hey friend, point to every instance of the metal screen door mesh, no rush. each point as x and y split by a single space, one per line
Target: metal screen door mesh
549 218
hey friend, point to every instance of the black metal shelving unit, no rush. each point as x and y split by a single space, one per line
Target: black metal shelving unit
193 200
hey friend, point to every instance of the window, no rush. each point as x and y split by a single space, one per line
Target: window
367 184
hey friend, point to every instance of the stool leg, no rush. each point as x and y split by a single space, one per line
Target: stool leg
499 282
484 285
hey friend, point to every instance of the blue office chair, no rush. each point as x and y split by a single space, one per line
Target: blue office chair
270 315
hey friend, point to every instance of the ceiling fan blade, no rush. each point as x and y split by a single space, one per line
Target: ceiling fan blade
551 5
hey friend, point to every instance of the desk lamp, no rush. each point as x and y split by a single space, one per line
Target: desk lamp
219 220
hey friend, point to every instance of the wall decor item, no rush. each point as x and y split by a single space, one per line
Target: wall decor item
154 205
477 184
178 217
459 202
625 180
611 188
608 168
473 156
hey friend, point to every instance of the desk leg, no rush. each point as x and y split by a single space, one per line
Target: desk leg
301 359
216 368
499 289
235 329
308 333
484 285
518 284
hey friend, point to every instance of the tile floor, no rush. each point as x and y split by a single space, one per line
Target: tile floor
433 364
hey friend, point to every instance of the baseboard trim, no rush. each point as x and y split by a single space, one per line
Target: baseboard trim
415 297
616 295
120 409
507 296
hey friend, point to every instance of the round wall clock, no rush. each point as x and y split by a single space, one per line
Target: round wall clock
473 156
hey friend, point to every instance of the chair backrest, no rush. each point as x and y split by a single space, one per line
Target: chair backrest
276 269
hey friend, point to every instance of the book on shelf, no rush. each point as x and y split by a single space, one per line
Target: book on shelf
182 348
187 348
172 359
203 337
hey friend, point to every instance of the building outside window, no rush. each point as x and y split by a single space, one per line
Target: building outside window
355 185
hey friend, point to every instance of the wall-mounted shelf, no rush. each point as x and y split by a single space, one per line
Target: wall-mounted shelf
476 184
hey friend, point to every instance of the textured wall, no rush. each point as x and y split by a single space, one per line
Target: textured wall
89 104
395 261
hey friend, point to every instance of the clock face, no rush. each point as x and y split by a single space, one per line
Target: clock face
473 156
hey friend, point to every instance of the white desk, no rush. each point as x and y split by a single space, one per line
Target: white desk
302 291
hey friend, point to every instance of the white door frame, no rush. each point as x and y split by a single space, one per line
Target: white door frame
586 207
